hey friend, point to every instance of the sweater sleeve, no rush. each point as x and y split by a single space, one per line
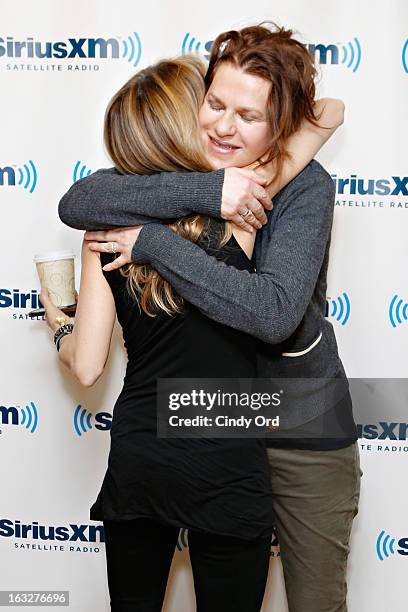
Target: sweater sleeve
270 303
107 199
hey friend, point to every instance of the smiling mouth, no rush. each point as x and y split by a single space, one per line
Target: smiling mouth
223 147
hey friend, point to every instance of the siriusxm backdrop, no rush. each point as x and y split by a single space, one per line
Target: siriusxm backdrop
60 62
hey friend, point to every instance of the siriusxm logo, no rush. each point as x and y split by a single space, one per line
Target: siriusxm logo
34 531
182 540
383 431
275 546
405 56
398 311
24 176
353 185
14 298
345 54
129 48
26 417
191 45
80 171
83 420
338 308
385 546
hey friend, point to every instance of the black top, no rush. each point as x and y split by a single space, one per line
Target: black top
215 485
283 304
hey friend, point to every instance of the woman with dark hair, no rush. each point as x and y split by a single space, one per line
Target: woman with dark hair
260 94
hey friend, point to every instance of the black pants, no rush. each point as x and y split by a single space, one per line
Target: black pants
229 573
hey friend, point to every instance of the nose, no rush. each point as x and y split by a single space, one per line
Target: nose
225 126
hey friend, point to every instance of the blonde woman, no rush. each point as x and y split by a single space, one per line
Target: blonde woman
220 488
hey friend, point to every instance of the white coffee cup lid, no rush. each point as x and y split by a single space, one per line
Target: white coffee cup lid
53 256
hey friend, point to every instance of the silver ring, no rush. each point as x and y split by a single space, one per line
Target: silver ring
112 249
245 213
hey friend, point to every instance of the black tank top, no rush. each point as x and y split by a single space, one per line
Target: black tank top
218 485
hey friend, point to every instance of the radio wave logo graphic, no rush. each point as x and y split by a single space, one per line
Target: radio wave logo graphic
28 176
385 546
398 311
29 417
182 540
339 308
80 171
405 56
351 54
132 49
82 420
190 45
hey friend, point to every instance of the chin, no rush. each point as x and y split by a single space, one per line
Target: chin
217 163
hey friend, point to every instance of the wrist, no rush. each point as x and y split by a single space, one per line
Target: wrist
208 188
63 340
140 250
153 242
61 332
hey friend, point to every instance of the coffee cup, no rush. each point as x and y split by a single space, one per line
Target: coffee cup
56 272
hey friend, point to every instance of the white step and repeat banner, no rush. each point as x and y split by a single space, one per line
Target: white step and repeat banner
60 62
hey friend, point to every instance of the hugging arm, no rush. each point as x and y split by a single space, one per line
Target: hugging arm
303 145
108 199
270 303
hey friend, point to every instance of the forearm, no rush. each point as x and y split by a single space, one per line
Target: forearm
109 199
85 350
304 144
271 303
234 297
66 353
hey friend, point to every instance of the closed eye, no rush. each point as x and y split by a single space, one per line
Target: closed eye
248 119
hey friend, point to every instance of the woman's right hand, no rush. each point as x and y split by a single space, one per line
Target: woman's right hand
244 199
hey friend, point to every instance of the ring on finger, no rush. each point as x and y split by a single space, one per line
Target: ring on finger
112 248
246 213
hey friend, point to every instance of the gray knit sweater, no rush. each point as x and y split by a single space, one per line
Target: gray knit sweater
283 304
291 250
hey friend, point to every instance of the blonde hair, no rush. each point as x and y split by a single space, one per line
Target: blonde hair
151 126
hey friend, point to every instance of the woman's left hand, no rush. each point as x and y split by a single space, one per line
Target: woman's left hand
119 240
52 313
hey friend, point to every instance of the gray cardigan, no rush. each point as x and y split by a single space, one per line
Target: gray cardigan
283 304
